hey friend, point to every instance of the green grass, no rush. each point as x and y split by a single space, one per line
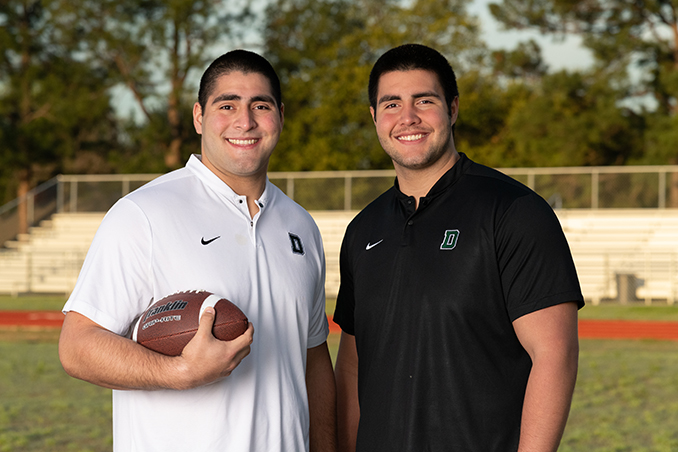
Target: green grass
626 397
630 312
42 408
32 303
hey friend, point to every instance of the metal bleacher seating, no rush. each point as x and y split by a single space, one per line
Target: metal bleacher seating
49 257
621 255
624 255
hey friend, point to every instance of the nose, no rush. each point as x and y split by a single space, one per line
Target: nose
408 115
245 120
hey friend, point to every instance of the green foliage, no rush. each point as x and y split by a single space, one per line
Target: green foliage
324 50
154 47
53 105
60 59
626 38
523 62
568 119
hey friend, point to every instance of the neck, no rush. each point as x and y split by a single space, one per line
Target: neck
250 188
417 182
251 185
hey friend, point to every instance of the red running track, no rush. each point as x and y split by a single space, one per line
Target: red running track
588 329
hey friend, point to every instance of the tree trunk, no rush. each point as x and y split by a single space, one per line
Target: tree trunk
22 208
173 155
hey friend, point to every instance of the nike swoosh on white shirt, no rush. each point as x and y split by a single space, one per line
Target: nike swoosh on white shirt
372 245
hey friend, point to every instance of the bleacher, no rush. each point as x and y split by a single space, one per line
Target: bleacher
632 249
621 255
49 257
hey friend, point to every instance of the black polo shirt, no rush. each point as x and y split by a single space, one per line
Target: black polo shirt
430 295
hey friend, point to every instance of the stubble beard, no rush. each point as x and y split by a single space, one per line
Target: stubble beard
421 160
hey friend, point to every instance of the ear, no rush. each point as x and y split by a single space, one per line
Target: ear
197 117
454 110
374 116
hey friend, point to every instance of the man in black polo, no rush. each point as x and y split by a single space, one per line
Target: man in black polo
458 298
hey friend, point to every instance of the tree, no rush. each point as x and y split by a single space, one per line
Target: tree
525 62
154 46
53 107
569 119
627 38
324 50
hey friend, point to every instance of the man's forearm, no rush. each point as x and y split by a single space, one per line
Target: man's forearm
94 354
322 400
547 404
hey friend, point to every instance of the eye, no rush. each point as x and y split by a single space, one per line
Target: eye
226 107
262 107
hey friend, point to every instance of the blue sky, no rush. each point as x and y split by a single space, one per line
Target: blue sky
568 54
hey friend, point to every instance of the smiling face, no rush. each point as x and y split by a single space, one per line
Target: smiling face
240 127
413 123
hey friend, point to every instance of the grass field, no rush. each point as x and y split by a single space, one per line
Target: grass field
626 397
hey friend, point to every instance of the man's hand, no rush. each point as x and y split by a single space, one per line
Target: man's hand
94 354
207 359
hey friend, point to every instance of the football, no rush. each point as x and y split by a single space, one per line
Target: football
170 323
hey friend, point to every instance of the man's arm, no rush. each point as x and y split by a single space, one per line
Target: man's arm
348 409
322 399
550 338
94 354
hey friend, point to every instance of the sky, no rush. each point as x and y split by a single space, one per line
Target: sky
568 54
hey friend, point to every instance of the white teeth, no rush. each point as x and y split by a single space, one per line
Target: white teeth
242 142
411 137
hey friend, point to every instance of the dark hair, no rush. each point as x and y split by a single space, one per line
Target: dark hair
238 60
408 57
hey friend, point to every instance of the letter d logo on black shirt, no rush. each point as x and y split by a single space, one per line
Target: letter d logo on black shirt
450 240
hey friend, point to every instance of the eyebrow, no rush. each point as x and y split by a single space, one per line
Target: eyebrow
258 98
390 97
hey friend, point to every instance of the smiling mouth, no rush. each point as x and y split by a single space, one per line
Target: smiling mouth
246 142
414 137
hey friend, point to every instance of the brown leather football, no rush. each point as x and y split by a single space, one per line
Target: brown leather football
170 323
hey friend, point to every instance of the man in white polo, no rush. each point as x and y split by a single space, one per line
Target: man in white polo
217 225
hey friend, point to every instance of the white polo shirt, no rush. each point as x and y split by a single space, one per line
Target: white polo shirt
188 230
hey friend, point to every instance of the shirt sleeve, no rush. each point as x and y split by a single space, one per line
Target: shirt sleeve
114 286
345 306
319 328
537 270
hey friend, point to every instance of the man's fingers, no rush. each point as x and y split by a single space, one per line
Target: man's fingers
248 334
206 321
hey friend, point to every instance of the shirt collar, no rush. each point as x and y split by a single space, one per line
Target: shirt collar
196 166
446 180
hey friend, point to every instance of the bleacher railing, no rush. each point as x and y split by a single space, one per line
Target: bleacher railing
564 188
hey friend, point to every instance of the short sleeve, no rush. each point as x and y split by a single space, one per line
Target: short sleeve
537 270
114 285
345 306
318 326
